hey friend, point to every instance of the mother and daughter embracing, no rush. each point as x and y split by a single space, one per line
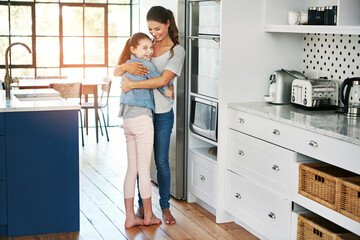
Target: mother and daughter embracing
148 68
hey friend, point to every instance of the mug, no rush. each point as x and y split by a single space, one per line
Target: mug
303 18
293 17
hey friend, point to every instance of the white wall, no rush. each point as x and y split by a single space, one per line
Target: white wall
145 5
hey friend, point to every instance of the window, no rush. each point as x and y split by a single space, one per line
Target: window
67 37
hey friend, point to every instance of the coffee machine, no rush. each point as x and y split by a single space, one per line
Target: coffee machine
350 96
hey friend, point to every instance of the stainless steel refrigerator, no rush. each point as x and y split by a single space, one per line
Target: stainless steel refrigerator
177 154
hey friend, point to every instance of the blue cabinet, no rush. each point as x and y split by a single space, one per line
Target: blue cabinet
2 159
2 124
42 172
3 204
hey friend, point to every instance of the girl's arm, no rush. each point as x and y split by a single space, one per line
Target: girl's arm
156 82
134 68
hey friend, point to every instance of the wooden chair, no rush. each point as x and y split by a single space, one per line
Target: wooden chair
70 90
103 103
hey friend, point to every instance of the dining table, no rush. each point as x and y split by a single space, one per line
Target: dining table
90 87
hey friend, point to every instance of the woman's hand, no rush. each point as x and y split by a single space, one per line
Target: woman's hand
136 68
126 85
169 92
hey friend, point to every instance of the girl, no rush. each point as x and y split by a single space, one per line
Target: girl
136 108
168 57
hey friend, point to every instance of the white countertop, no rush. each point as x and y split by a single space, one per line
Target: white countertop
325 122
35 100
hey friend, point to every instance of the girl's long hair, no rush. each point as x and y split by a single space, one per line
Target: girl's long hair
131 42
162 15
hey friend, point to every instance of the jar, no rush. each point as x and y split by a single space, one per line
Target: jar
311 15
329 16
319 19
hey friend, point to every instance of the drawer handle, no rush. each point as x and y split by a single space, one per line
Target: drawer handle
238 196
241 120
241 153
272 215
202 177
276 132
276 167
313 143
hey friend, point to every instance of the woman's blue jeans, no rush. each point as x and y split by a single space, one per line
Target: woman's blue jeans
163 124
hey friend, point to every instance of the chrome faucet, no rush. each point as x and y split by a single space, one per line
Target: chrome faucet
7 79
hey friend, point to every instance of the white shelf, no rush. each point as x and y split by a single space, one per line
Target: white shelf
204 153
328 213
203 138
313 29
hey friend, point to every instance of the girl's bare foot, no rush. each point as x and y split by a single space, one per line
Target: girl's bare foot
133 221
152 220
140 212
168 217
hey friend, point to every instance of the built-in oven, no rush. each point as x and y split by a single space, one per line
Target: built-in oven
203 117
204 17
204 65
204 47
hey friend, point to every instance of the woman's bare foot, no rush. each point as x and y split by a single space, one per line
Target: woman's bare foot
140 212
152 220
133 221
168 217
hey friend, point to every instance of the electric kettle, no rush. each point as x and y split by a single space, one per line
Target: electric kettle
350 96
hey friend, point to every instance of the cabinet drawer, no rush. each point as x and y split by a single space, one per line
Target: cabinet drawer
333 151
2 159
3 203
267 164
265 212
202 178
272 131
2 124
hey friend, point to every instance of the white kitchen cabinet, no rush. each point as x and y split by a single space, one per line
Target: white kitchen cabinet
271 131
260 208
250 183
330 150
266 164
202 178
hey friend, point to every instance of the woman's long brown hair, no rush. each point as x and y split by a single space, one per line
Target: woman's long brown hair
162 15
131 42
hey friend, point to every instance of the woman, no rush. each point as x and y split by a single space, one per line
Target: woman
168 58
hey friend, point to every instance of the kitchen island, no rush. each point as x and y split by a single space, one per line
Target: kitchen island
39 164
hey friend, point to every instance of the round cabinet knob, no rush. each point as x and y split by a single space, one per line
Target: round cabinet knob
276 167
241 153
238 196
313 143
202 177
241 120
276 132
272 215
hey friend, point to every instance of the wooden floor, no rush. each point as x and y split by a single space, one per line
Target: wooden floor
102 212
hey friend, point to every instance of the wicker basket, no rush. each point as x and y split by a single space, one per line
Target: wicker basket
319 181
314 227
349 194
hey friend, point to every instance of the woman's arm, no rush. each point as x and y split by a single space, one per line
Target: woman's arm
156 82
134 68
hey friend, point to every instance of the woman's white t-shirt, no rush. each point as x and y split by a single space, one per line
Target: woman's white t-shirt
174 64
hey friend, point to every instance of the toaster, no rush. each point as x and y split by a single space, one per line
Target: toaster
280 86
315 93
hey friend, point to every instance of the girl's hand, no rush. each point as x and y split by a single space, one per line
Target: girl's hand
126 85
137 68
169 92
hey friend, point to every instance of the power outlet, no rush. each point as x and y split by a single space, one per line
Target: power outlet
312 75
